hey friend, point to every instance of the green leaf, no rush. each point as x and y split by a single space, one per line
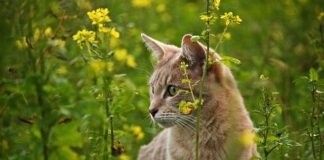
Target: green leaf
313 75
227 60
195 38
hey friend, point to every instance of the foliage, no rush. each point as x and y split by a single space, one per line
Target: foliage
63 62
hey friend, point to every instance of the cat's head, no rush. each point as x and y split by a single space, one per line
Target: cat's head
166 87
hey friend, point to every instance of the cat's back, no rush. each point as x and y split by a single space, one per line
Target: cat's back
156 149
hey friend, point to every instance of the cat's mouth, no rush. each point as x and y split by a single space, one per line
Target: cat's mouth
165 120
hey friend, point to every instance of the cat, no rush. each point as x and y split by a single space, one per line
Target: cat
224 119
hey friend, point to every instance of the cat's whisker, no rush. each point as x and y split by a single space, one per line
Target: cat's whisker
190 127
181 125
188 118
191 117
192 122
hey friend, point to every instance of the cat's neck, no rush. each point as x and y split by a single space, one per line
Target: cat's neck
216 121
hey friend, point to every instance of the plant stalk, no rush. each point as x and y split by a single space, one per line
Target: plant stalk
202 85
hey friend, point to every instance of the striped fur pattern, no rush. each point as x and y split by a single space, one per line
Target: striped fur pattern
223 116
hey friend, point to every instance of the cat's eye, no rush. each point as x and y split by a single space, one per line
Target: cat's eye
152 90
172 90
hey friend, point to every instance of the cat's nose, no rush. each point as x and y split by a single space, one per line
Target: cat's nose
153 111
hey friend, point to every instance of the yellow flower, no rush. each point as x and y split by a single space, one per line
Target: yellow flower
110 66
62 70
160 7
111 31
103 29
114 33
113 43
123 157
141 3
48 32
100 96
99 16
98 67
227 36
206 18
320 16
247 138
57 43
131 61
85 36
230 19
185 110
216 4
36 35
121 54
21 44
137 131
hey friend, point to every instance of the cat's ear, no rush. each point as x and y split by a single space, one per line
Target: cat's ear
194 52
155 46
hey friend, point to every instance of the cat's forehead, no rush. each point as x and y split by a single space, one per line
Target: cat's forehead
167 70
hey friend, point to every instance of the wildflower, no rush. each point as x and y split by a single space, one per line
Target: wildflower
183 65
123 157
98 67
247 138
121 54
114 33
57 43
137 131
62 70
103 29
36 35
263 77
216 4
206 18
21 43
131 61
141 3
320 16
227 36
48 32
185 108
100 96
113 43
230 19
99 16
85 36
160 7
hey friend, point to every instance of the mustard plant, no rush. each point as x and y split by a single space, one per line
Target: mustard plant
101 58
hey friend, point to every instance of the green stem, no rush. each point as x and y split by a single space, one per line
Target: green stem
109 116
190 86
312 132
112 133
202 85
319 129
221 38
267 113
107 109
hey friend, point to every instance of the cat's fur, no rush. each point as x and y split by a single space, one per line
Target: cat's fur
223 115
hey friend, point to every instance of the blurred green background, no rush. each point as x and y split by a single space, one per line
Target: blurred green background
281 39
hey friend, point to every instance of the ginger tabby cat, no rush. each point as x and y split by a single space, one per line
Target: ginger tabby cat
224 119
